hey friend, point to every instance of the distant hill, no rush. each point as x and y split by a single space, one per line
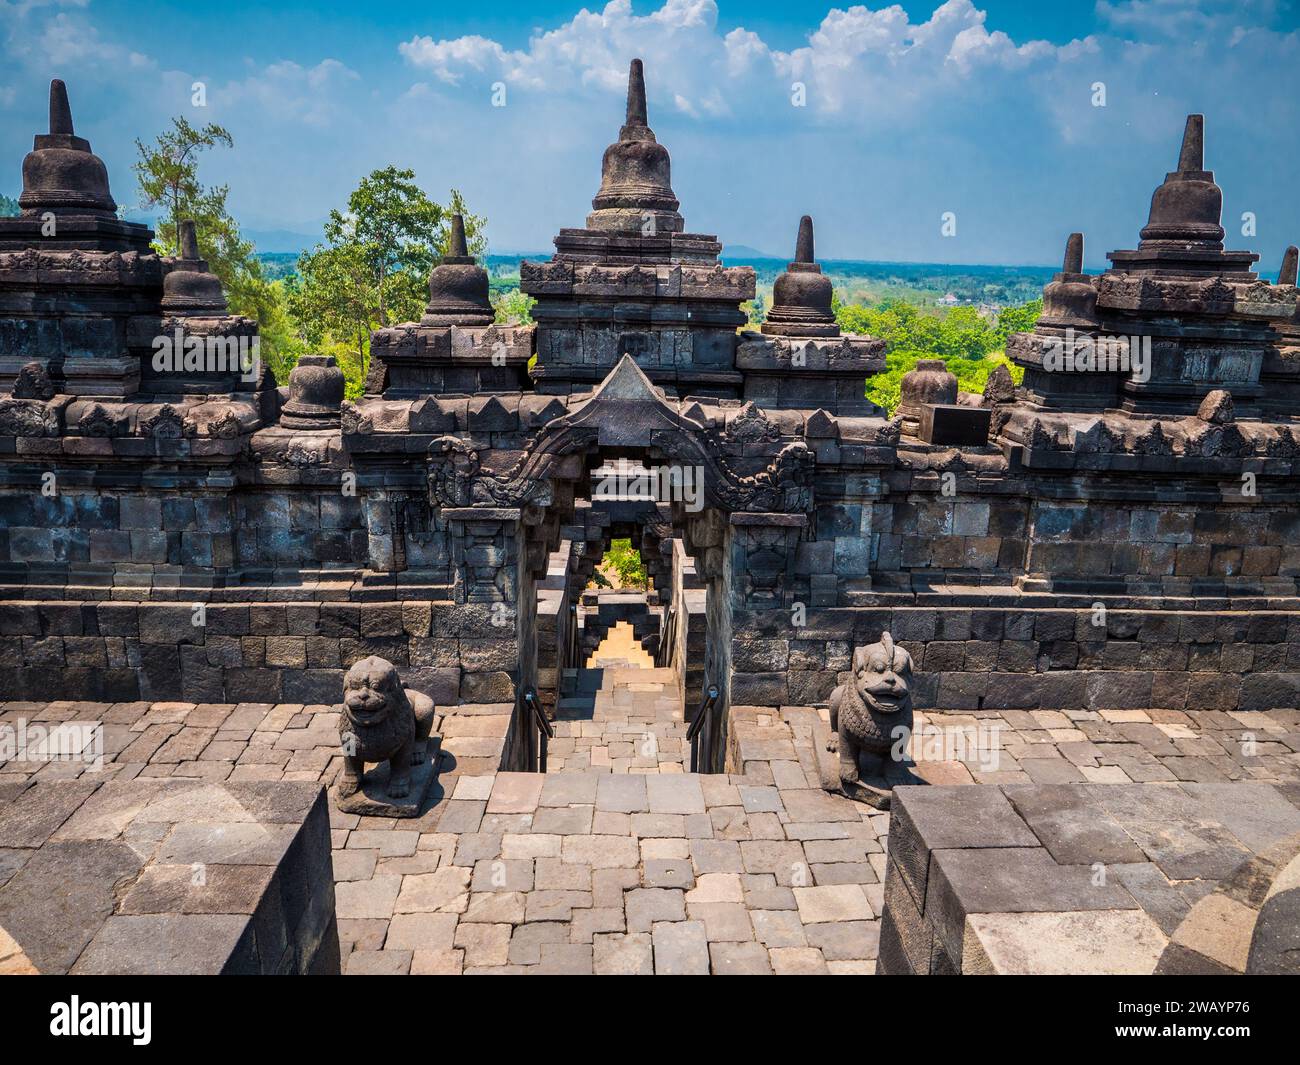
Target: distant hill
744 251
283 241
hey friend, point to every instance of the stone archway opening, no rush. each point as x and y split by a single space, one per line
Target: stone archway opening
620 670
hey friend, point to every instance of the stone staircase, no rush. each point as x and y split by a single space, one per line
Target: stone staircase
622 716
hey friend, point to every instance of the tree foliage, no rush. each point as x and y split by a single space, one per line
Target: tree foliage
372 270
970 343
626 562
167 177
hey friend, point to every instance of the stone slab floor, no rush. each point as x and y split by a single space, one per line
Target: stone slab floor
625 716
589 870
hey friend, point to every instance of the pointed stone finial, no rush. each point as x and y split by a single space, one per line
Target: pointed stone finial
1187 208
1287 275
803 249
60 110
636 107
1192 157
1073 254
458 246
189 240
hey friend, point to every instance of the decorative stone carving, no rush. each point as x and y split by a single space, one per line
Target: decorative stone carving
383 723
625 401
28 417
33 382
99 421
871 718
1000 387
167 423
750 426
1216 408
315 394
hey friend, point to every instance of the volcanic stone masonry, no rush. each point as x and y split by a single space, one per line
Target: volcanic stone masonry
1097 538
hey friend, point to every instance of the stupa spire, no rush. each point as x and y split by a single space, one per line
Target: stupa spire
801 295
1287 275
636 106
458 286
1073 254
803 248
60 109
1187 207
1192 155
459 248
61 173
189 240
636 193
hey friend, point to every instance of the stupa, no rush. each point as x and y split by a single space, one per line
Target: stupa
799 359
633 282
455 348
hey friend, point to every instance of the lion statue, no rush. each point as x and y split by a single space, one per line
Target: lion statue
871 718
381 722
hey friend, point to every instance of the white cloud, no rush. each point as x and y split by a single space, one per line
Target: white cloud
906 116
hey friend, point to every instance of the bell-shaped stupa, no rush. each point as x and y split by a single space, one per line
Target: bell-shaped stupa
458 286
61 173
636 194
801 296
190 289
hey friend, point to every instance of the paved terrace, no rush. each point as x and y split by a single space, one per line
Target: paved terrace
596 871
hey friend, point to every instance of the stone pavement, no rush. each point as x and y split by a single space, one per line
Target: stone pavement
625 715
607 872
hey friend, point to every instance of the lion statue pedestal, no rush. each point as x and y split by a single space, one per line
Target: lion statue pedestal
871 723
390 725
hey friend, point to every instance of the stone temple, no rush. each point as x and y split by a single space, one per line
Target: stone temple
1088 582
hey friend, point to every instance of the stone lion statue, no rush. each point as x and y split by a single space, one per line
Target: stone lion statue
871 718
382 722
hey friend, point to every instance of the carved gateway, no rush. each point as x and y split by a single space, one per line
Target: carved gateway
626 411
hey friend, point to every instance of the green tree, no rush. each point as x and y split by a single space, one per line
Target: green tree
626 562
167 175
372 270
9 207
513 307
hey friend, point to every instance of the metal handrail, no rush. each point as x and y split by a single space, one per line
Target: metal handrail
704 715
539 715
706 704
545 729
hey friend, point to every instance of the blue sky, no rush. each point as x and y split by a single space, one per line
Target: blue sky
985 109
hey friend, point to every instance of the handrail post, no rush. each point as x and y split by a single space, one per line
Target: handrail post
705 722
544 730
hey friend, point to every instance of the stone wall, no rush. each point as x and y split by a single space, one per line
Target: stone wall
250 652
1026 656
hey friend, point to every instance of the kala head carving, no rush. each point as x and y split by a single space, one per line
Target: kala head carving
385 723
871 715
